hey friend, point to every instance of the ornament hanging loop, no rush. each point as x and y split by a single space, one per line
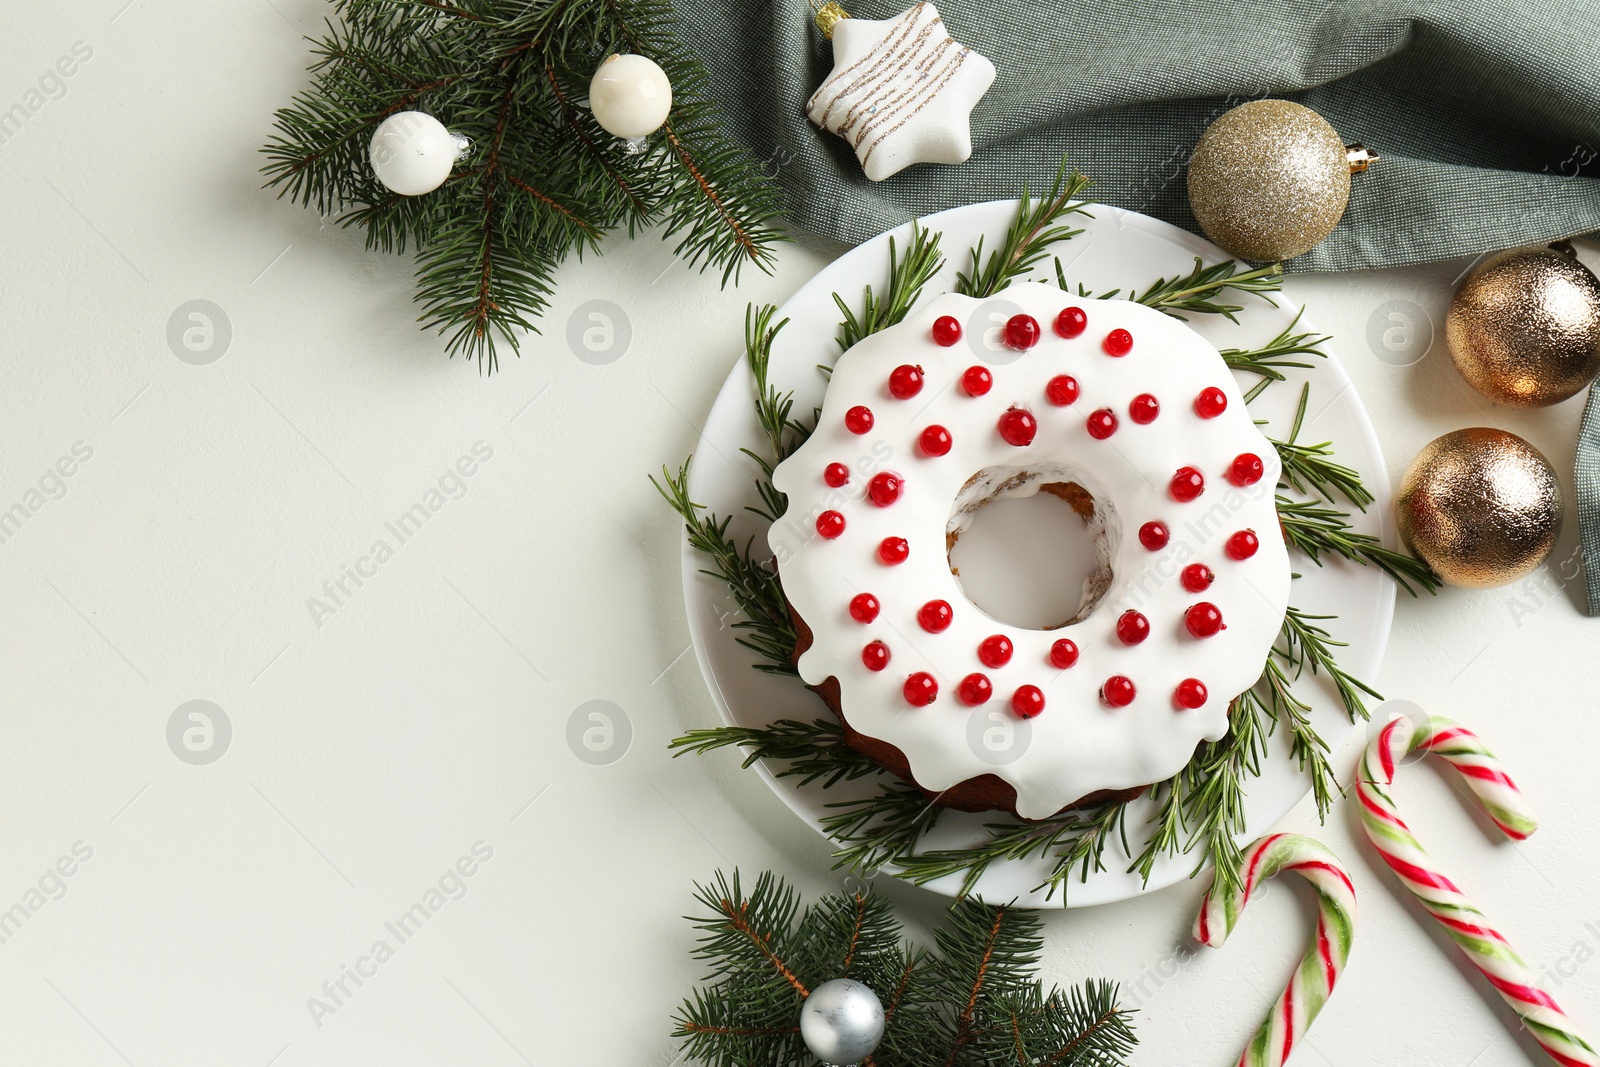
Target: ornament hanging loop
828 15
1360 156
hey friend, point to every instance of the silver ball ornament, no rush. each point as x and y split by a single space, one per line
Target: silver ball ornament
842 1022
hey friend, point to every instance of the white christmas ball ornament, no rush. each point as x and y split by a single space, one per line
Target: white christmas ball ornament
842 1022
630 96
412 153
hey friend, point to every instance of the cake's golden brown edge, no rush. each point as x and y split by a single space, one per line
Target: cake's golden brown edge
985 792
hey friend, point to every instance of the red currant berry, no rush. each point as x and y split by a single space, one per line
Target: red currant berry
1187 484
875 657
1197 577
858 420
1204 620
1118 342
905 381
836 474
892 550
1211 402
1027 701
974 690
946 330
1017 427
995 652
1243 544
1132 628
864 607
885 488
1062 390
830 524
1247 469
1071 322
920 689
1063 654
1118 691
977 381
935 616
1144 409
934 441
1102 424
1191 694
1154 535
1021 332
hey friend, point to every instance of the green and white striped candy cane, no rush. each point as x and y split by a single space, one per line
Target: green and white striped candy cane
1313 981
1484 946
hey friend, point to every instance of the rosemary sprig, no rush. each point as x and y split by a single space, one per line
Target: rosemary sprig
1035 229
875 831
1273 358
1077 840
807 750
1083 290
1315 529
1310 469
1214 804
1307 747
767 629
906 280
1305 644
1198 291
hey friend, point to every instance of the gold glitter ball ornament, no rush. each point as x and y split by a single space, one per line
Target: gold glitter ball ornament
1482 507
1270 179
1524 326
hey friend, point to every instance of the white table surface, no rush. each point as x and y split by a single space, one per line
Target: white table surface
428 712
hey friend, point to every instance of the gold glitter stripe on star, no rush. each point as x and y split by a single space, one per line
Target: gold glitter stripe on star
893 40
941 68
942 82
870 83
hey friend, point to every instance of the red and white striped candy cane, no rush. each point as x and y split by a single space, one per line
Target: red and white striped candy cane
1324 961
1500 799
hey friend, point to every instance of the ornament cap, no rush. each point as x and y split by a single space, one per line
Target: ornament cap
828 15
1360 156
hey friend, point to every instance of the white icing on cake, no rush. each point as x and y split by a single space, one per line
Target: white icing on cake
1079 744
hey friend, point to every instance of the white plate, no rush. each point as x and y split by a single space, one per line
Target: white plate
1119 249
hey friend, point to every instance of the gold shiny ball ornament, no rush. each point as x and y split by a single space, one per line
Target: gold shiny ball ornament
1270 179
1482 507
1524 326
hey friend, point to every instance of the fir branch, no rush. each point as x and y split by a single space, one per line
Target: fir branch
906 280
543 181
1305 644
1273 358
767 628
1036 227
1198 292
1310 469
976 998
1314 530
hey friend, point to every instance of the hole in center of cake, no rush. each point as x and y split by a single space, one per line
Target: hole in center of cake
1032 546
